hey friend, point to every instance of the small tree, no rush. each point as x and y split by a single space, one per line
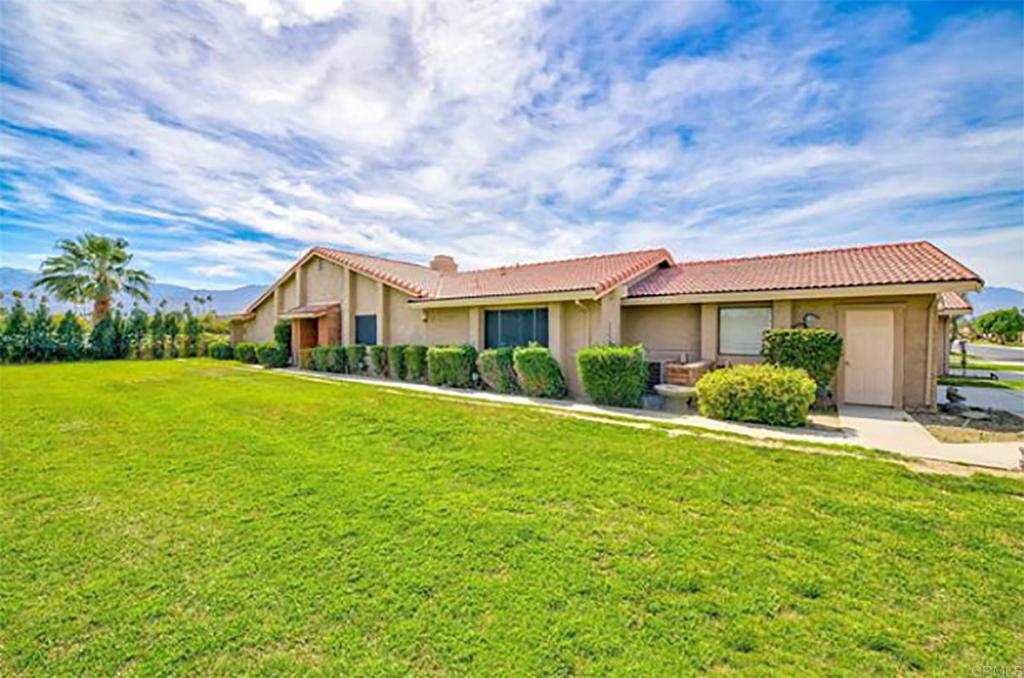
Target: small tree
172 327
1003 326
158 330
70 337
42 345
138 324
16 332
193 331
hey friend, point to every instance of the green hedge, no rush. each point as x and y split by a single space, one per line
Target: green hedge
355 358
816 351
220 350
613 375
396 361
379 360
271 354
307 358
766 394
246 352
451 365
497 370
283 336
415 363
538 372
318 358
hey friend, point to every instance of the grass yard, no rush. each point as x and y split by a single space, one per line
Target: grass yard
982 382
197 517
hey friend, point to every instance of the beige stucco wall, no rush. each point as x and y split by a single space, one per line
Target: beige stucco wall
447 326
289 294
366 295
667 332
261 328
323 281
405 323
575 336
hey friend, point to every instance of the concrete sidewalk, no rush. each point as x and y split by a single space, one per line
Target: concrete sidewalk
871 427
896 431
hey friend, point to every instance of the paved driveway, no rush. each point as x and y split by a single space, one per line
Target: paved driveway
991 352
995 398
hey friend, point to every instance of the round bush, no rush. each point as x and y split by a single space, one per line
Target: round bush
271 354
766 394
451 365
415 363
613 375
396 361
816 351
538 372
221 350
497 370
246 352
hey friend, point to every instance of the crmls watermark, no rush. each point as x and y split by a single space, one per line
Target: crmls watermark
999 671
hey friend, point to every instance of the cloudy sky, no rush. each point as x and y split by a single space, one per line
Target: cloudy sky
222 138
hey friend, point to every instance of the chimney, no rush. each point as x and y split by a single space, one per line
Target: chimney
444 264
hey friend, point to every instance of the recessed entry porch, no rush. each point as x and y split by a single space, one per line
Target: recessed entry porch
314 325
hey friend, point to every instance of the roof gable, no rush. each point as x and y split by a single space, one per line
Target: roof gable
597 274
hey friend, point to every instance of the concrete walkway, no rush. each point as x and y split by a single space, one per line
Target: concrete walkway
870 427
894 430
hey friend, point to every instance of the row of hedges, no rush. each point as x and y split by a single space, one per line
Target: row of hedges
41 337
267 353
530 370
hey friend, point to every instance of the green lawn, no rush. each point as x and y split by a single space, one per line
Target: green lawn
975 363
192 517
982 382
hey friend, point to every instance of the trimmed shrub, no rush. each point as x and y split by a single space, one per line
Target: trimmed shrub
766 394
538 372
283 336
355 358
816 351
379 360
451 365
308 358
415 363
336 359
497 370
271 354
245 351
396 361
613 375
221 350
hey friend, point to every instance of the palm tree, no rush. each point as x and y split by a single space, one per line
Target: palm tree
93 268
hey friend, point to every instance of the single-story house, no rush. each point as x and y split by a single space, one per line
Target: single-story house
892 304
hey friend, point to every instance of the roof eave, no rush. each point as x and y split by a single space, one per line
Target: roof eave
890 289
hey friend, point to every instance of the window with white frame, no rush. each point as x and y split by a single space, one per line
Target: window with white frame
740 329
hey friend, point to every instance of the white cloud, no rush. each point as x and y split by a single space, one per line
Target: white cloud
511 131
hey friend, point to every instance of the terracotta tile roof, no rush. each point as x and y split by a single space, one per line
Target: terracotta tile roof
952 302
596 274
417 280
312 310
912 262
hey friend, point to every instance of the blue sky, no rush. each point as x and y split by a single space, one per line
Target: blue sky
223 138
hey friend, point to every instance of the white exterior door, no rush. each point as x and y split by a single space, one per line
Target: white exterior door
869 347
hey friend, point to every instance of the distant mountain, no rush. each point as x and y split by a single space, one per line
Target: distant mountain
224 301
992 298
